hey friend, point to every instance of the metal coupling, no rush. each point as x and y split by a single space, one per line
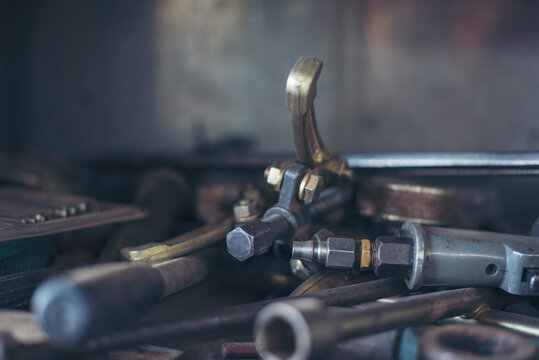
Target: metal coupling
334 252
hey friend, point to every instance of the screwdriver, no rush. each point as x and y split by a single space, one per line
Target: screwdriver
95 300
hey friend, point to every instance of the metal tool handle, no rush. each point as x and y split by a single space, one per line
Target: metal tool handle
95 300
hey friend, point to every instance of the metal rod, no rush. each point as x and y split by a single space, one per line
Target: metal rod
443 159
245 350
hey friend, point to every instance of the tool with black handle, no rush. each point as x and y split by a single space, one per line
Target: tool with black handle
95 300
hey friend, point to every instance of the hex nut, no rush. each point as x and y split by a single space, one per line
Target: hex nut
341 253
393 256
246 210
274 175
249 239
310 188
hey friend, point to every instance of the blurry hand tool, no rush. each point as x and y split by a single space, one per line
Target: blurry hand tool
165 194
224 320
299 183
240 316
428 256
303 329
189 242
93 300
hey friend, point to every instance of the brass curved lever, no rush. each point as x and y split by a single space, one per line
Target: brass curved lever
300 94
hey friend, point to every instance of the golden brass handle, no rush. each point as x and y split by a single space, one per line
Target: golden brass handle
300 94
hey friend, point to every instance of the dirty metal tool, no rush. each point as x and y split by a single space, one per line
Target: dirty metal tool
225 319
428 256
165 194
459 341
304 328
299 183
189 242
94 300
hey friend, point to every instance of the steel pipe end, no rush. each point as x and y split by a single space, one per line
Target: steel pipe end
303 250
294 330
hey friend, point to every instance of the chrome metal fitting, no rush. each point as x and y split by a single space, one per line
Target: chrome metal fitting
334 252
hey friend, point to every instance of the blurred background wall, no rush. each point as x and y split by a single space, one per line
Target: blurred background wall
86 77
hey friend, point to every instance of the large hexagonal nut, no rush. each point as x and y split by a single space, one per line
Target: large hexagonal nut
249 240
393 256
341 253
310 188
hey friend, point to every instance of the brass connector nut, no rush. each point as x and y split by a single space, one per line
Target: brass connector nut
310 187
366 254
274 175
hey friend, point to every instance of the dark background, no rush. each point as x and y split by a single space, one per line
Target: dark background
93 77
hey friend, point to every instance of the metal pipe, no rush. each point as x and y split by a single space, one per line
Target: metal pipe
443 159
305 328
520 323
245 350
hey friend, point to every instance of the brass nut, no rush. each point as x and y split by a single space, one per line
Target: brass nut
366 257
310 187
246 210
274 175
